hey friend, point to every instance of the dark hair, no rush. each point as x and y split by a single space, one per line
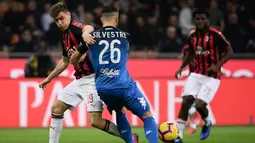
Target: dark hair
201 11
109 9
57 8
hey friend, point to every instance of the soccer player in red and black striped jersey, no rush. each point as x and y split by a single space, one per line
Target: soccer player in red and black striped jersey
81 88
210 50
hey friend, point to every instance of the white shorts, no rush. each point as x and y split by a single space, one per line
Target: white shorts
201 87
82 89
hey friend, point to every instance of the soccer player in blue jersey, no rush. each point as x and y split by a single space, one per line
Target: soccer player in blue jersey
109 55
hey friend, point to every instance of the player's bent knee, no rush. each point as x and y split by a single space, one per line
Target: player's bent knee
187 102
146 115
200 101
59 107
123 110
95 118
200 106
188 99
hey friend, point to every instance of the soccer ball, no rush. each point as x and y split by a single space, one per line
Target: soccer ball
168 132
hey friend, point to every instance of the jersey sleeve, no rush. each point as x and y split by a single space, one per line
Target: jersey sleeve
64 52
221 41
82 48
185 48
190 45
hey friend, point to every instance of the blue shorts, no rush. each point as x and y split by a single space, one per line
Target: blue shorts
130 97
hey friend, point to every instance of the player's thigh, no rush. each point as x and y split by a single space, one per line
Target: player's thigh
86 88
191 86
208 90
94 103
70 96
136 102
112 99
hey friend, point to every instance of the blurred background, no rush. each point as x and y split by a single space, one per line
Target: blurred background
30 46
159 28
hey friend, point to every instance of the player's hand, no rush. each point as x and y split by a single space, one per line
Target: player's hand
213 68
178 73
88 38
76 57
44 83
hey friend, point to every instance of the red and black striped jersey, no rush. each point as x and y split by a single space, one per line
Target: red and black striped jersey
207 47
72 38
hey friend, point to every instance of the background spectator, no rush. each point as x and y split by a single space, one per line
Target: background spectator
39 64
171 43
185 17
26 43
156 26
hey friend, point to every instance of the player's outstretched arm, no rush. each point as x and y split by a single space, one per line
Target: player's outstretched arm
86 36
61 66
87 29
188 57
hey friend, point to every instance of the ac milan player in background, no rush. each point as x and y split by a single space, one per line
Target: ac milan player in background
81 88
210 51
194 118
193 115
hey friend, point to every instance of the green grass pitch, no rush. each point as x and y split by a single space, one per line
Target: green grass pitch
224 134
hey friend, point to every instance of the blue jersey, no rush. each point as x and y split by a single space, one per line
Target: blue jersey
115 87
109 56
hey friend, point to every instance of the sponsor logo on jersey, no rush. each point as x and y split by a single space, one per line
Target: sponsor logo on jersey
200 51
110 72
70 51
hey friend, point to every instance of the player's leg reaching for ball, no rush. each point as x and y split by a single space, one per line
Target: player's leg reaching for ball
114 102
138 105
125 128
134 101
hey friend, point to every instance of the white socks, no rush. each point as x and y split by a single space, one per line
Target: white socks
192 110
181 124
207 121
192 125
56 127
